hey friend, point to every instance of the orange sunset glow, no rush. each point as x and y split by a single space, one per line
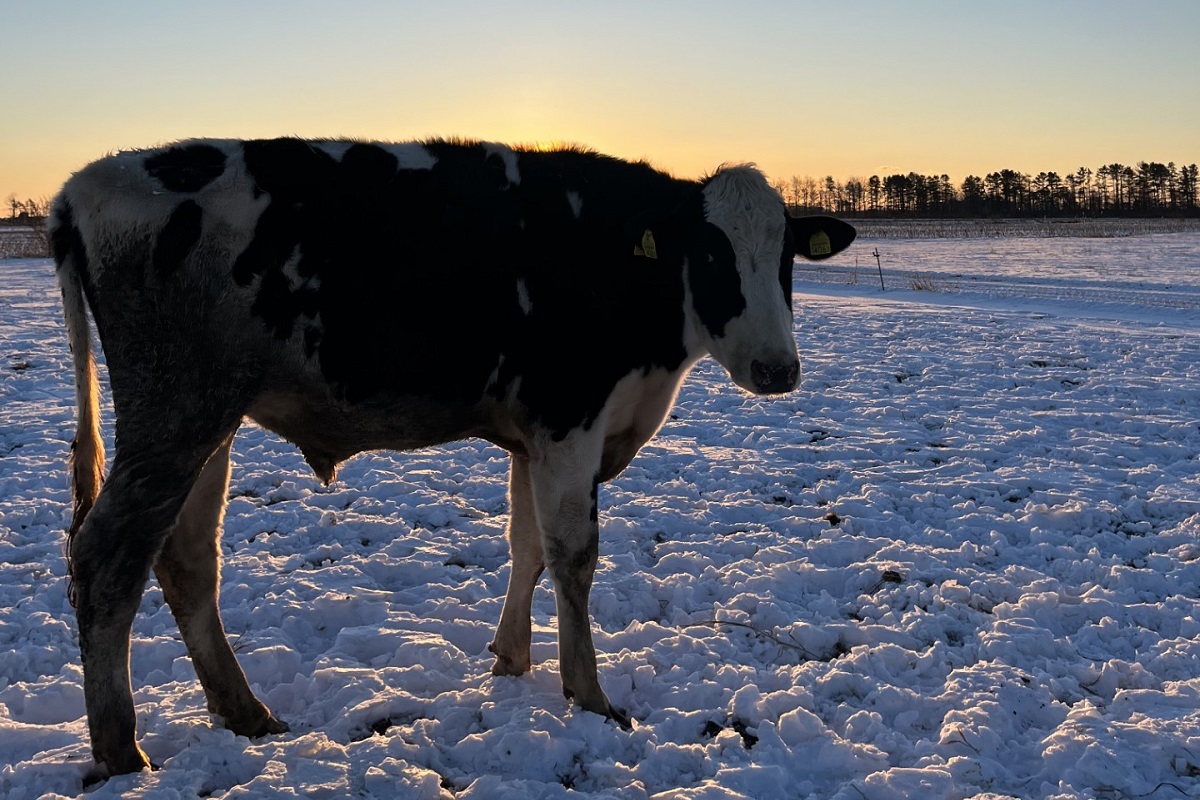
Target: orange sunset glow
800 88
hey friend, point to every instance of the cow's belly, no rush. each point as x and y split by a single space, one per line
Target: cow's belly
329 432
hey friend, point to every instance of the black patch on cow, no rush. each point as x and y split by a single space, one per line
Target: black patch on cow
413 273
186 168
177 238
787 261
65 239
368 168
289 169
598 311
714 281
279 306
594 513
301 180
276 235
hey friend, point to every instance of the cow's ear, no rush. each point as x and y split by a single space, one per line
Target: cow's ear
820 237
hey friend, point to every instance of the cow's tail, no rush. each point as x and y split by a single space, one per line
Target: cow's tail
87 449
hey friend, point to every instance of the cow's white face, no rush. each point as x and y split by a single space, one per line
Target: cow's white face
737 284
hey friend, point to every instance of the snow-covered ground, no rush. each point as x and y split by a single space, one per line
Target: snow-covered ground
962 560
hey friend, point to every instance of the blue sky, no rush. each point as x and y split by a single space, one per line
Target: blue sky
802 88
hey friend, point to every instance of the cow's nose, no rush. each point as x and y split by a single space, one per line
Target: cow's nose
774 378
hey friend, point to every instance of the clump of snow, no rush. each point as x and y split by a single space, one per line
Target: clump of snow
961 560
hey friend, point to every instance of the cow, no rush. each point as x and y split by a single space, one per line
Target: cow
353 296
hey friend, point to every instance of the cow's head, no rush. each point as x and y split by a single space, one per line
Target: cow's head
739 276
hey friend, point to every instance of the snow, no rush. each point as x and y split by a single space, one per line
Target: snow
962 560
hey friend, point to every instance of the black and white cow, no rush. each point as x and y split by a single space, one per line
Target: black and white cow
354 296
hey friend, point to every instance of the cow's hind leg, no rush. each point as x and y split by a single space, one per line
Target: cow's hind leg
189 570
511 644
564 480
111 556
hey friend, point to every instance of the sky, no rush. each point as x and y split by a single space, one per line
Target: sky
847 89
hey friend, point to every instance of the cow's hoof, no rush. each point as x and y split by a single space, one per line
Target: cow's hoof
259 726
126 762
509 666
600 705
272 724
506 666
620 717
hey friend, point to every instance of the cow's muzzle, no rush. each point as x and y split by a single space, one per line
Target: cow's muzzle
774 378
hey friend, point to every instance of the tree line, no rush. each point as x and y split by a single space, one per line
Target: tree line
1147 189
29 209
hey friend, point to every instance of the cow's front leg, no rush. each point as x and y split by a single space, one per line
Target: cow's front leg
564 479
511 644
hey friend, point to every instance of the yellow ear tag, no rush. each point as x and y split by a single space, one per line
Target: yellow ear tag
647 248
818 244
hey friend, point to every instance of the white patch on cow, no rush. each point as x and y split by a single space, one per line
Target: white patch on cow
510 394
523 298
509 157
412 155
336 148
115 201
739 200
635 410
409 155
316 325
576 203
294 278
495 376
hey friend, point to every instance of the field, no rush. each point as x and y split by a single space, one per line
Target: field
22 241
963 560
